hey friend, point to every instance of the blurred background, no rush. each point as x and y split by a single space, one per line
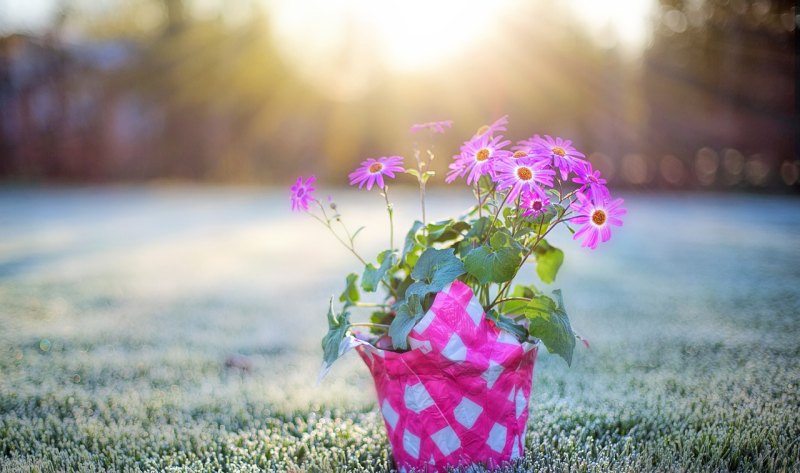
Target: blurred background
664 94
161 308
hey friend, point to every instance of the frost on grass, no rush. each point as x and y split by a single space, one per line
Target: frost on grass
111 362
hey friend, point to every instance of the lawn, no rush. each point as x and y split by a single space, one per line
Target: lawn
146 329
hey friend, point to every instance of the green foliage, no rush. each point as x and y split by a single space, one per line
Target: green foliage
423 178
372 276
350 295
548 321
445 230
434 270
496 262
337 330
411 240
541 223
508 325
520 292
409 312
548 261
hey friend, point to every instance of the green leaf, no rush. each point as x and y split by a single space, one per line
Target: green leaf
355 234
548 261
541 223
505 323
497 262
350 294
413 172
409 312
337 330
434 270
445 230
411 240
475 235
372 276
526 292
548 321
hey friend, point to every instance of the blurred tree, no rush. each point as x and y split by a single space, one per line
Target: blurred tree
720 80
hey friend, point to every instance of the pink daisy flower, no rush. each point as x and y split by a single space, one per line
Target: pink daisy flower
372 171
591 182
478 157
434 127
301 193
596 218
523 176
496 127
534 204
565 157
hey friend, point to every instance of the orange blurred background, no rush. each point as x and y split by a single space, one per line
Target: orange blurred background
665 94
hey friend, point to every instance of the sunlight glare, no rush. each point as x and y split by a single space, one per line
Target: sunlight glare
353 39
617 22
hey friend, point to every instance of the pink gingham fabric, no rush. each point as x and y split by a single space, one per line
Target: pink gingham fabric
460 395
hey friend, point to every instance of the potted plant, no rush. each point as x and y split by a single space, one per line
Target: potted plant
452 342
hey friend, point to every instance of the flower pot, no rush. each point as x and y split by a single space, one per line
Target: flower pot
460 395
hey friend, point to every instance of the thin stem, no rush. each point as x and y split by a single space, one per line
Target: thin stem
496 214
368 324
370 304
517 217
539 237
349 247
507 299
478 195
420 167
389 209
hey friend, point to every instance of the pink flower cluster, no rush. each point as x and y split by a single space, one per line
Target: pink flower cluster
527 170
523 173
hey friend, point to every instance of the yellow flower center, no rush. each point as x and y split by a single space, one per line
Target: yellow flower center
524 173
598 217
375 167
519 154
482 155
482 130
559 151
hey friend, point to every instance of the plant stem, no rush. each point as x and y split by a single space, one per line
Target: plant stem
496 214
368 324
370 304
422 182
478 195
390 209
496 302
528 254
349 247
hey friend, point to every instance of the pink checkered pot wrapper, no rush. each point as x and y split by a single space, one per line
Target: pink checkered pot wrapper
460 395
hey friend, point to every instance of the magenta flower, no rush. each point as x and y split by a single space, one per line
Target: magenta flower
301 193
596 218
478 157
523 176
433 127
457 169
534 204
496 127
564 156
372 171
591 182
